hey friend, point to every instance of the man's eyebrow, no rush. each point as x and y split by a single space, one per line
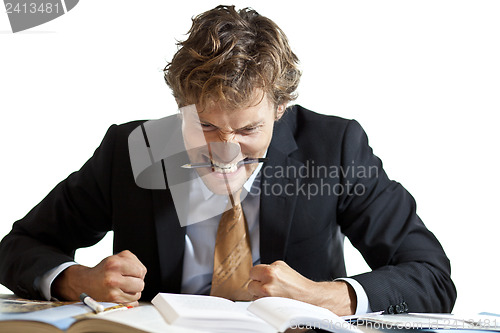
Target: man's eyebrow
253 124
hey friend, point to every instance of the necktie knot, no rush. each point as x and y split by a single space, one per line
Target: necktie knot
235 199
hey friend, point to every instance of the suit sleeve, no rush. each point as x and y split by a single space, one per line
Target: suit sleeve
410 270
76 213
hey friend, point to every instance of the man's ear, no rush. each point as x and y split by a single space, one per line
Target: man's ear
280 111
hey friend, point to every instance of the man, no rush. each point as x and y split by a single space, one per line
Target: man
233 78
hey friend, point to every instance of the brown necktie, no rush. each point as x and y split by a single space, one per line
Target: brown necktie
233 256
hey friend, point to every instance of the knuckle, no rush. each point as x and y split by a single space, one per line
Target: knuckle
125 253
114 296
266 290
271 271
112 263
279 263
110 281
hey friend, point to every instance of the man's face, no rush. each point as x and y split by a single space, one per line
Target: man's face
247 130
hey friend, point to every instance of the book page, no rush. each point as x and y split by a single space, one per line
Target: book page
61 316
144 318
195 305
20 305
208 313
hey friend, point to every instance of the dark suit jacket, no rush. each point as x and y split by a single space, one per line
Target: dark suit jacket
321 182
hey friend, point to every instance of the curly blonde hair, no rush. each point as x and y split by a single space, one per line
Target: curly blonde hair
228 55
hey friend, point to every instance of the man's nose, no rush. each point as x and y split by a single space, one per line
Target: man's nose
224 152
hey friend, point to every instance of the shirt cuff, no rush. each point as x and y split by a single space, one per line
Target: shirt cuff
362 304
49 277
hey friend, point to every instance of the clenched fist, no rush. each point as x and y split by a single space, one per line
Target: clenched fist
279 279
118 278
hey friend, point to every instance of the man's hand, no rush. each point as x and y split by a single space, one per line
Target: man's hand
118 278
279 279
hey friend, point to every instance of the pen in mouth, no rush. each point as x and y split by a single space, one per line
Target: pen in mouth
209 165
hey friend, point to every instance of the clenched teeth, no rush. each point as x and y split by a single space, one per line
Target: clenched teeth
224 167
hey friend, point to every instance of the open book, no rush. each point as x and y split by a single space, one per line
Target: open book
18 315
269 314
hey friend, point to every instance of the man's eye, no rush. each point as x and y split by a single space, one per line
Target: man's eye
207 127
250 130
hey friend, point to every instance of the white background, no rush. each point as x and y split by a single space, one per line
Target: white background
422 78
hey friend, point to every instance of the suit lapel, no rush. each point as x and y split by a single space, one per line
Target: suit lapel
167 148
278 195
170 238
